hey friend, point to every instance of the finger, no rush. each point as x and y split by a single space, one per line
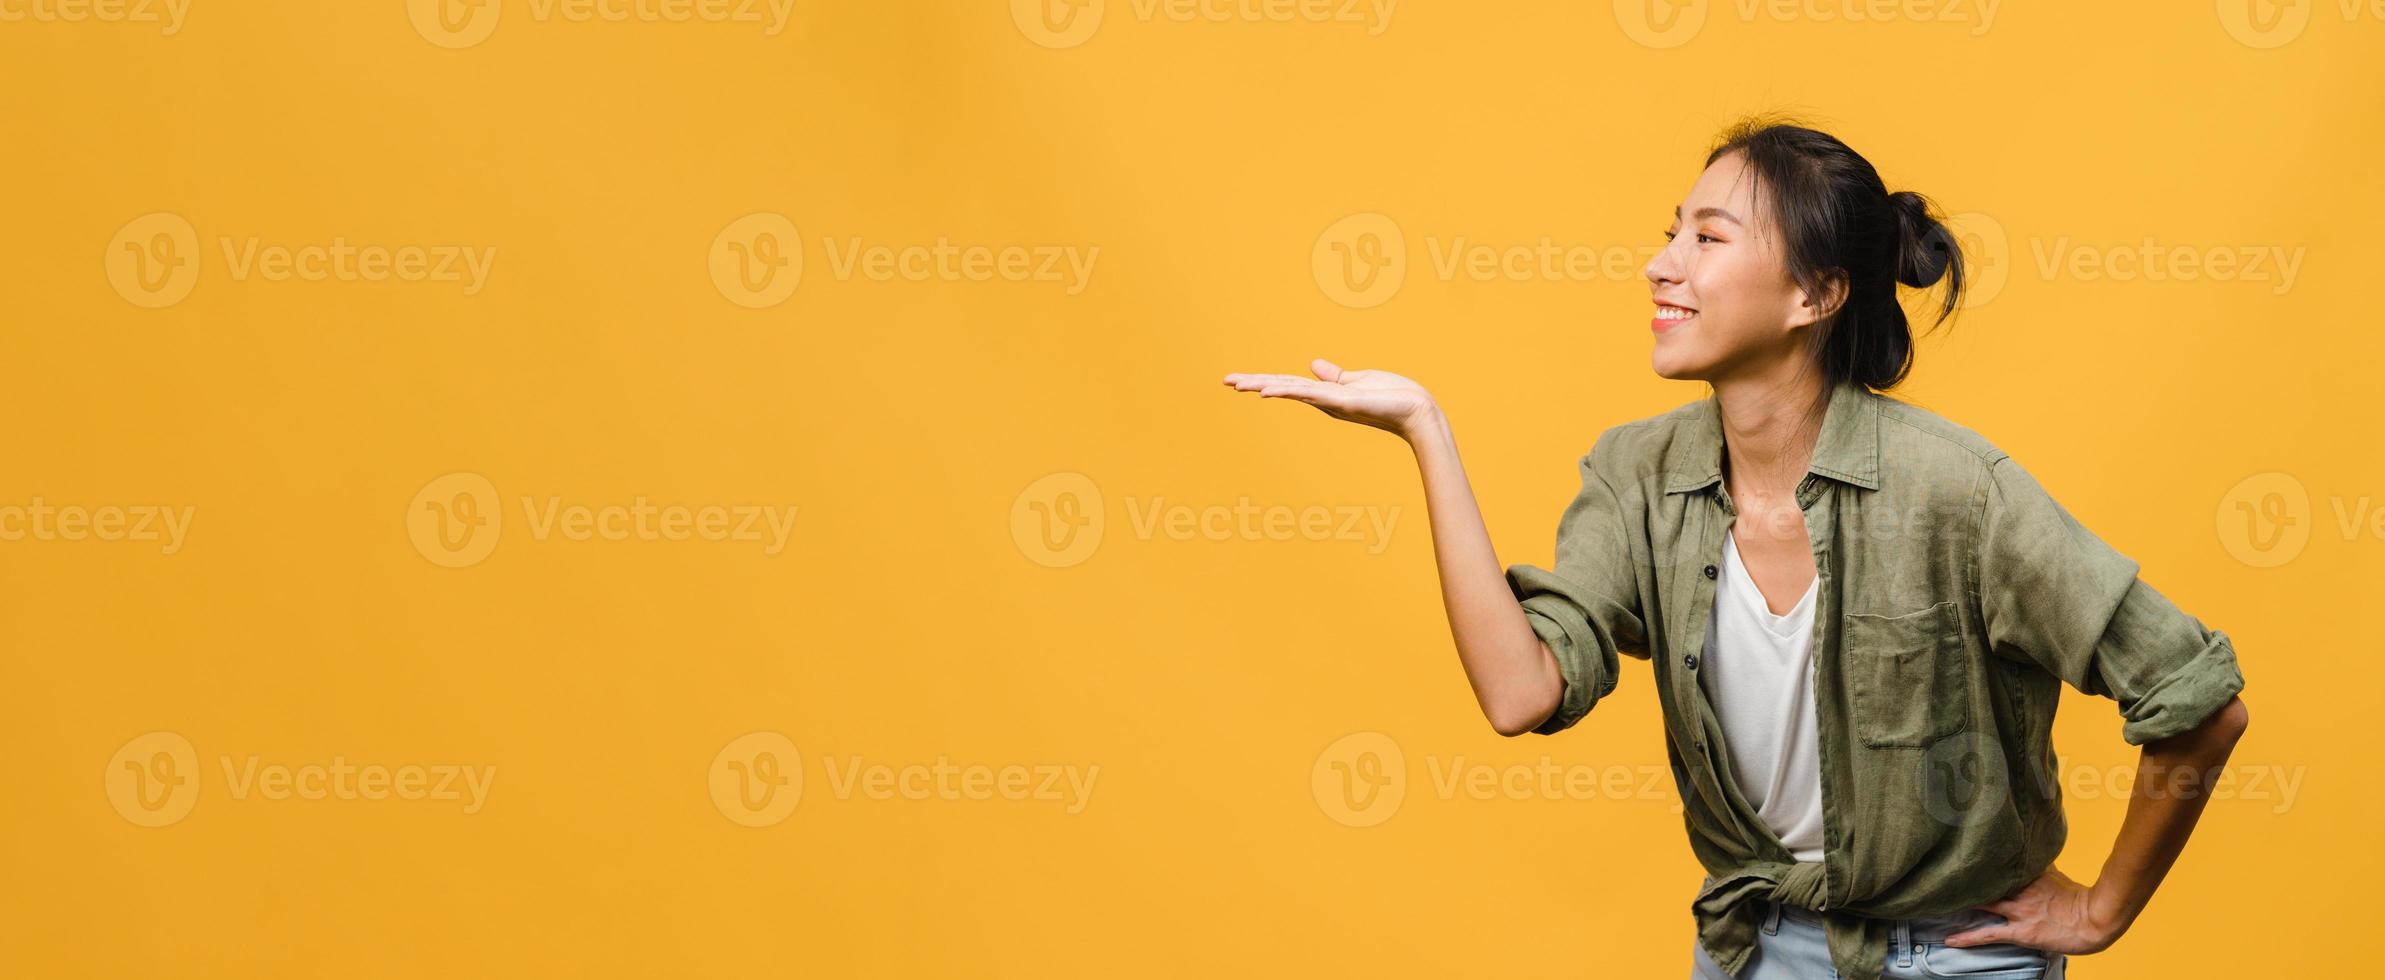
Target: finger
1981 937
1301 388
1254 382
1325 370
1325 396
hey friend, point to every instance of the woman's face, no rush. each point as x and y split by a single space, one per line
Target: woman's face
1725 305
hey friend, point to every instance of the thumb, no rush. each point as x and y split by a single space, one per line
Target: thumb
1325 370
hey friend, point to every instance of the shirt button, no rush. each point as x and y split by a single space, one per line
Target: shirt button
1709 571
1689 660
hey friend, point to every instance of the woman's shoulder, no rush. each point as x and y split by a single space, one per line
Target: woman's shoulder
1639 445
1913 435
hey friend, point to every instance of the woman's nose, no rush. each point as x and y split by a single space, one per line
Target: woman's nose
1661 268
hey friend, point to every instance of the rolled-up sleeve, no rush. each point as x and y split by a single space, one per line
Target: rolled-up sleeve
2050 590
1587 608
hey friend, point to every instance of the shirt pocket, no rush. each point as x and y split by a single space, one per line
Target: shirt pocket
1906 675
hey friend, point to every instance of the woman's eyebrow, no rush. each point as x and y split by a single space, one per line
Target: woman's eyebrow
1710 213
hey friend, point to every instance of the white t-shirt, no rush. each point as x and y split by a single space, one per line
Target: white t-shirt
1759 677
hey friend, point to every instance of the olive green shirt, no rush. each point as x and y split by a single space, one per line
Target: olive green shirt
1956 597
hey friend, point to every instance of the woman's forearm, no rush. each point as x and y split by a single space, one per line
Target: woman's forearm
2174 780
1514 676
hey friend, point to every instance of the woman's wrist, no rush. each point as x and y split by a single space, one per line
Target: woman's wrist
1426 426
2111 907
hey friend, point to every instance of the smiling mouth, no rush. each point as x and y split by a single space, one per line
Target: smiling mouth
1669 316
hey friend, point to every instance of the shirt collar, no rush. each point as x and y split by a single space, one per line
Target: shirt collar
1848 450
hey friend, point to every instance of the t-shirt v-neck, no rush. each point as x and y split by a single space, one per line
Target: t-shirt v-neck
1782 624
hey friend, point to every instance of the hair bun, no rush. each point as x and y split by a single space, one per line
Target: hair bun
1924 247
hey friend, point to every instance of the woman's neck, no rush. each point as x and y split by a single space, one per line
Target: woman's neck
1770 427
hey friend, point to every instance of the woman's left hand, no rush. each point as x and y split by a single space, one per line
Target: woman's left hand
2051 913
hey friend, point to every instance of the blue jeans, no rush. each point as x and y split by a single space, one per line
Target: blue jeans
1790 946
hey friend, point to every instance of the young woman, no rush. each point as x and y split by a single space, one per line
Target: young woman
1858 614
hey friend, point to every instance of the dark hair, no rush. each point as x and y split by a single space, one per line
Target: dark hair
1839 225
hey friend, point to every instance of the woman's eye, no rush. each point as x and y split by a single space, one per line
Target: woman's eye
1703 237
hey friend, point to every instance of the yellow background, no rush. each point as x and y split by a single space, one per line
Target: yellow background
903 622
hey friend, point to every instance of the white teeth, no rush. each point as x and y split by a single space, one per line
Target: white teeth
1674 313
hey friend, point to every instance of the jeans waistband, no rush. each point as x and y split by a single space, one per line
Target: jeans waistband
1924 929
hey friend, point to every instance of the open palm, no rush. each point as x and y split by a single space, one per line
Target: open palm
1378 398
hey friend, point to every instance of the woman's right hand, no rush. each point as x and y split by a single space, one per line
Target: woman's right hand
1516 680
1378 398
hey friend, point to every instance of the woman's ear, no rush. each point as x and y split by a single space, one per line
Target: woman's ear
1811 309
